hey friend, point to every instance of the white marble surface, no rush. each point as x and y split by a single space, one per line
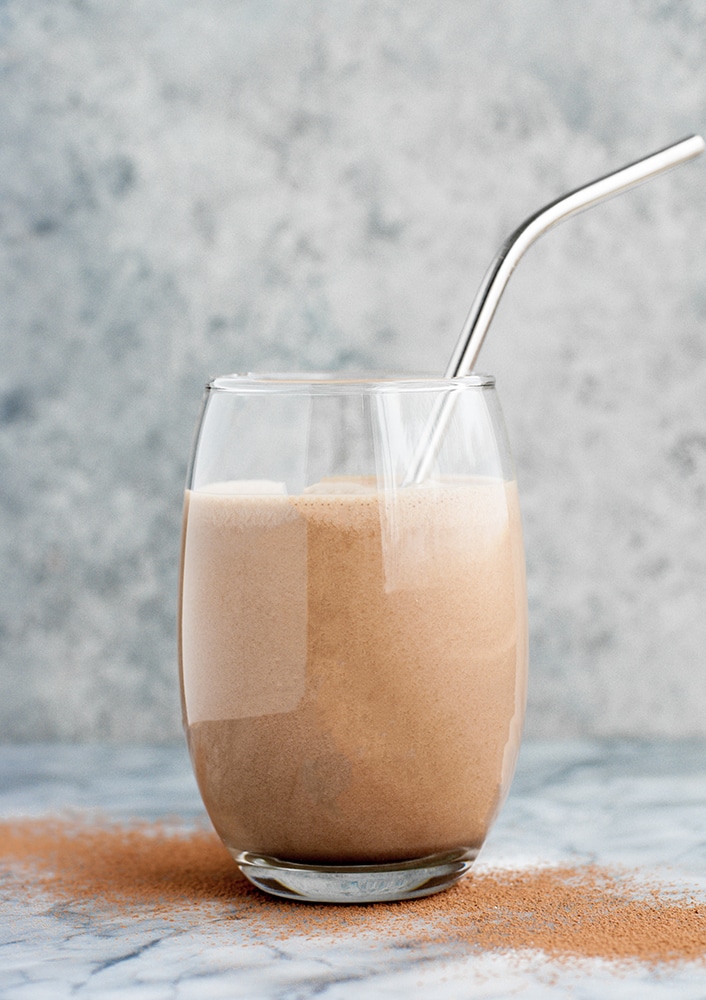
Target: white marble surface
637 804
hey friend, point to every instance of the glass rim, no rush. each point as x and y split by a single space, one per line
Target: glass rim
335 382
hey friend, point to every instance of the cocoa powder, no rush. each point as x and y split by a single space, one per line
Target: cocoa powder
161 870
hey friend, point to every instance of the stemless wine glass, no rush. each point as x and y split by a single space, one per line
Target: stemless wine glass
353 650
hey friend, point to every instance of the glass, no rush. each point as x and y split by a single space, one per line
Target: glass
353 649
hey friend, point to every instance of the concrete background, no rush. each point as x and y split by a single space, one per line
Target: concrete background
190 187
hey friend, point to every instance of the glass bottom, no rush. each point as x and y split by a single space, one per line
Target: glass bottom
355 883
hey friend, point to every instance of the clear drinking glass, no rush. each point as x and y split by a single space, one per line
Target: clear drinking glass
353 646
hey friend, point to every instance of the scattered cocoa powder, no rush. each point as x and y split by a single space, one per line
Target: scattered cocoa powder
158 870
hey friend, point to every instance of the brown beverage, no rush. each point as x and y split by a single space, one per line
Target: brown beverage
353 666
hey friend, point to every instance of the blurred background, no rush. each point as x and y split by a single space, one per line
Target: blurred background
193 187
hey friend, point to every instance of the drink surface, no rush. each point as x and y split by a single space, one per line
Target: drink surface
354 666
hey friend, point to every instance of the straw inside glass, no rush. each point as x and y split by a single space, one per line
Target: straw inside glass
498 274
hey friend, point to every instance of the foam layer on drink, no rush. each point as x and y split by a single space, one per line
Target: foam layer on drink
354 666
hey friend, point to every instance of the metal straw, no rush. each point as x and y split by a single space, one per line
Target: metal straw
493 285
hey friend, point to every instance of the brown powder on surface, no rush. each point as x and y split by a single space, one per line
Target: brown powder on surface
154 870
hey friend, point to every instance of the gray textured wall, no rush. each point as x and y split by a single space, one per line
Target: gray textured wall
190 187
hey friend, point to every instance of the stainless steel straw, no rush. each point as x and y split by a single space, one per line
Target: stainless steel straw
493 285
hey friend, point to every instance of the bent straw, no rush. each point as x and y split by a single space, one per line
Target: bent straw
493 285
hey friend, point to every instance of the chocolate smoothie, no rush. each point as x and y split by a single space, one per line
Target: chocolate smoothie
353 666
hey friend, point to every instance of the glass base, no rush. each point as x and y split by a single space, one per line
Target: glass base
355 883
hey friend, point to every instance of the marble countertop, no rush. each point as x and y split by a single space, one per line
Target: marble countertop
642 805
